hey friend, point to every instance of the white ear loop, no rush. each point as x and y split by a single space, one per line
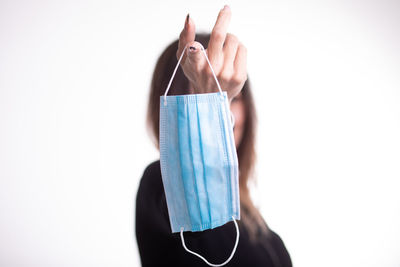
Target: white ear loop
177 65
233 119
201 257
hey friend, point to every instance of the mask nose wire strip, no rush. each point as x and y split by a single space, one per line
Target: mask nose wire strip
201 257
177 65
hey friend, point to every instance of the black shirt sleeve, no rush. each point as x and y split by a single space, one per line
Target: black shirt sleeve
158 246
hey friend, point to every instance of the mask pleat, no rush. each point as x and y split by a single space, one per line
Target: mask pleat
201 179
213 159
195 153
187 165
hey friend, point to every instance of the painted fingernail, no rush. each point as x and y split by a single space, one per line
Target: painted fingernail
187 21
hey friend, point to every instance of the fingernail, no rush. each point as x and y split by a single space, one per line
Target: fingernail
226 7
192 49
187 21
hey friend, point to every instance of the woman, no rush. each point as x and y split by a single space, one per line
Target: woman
258 245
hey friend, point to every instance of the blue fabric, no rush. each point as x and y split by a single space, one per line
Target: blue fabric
198 160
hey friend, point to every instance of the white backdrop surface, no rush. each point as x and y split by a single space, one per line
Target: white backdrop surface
74 81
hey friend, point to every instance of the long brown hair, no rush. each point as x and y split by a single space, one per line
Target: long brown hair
250 216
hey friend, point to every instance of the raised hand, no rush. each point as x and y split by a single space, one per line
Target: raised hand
227 55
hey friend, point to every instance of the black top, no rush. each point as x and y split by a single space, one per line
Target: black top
158 246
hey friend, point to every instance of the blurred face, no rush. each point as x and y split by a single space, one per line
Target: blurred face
238 111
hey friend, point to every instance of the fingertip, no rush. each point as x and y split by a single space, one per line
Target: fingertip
194 53
187 21
190 25
193 47
226 8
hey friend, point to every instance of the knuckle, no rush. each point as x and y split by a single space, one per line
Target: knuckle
232 38
218 36
239 78
225 76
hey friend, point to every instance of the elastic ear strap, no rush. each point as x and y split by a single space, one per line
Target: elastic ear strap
233 120
177 65
201 257
209 64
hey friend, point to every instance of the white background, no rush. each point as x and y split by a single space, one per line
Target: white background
74 81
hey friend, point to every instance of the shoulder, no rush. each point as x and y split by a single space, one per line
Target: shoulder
152 170
151 178
150 198
152 228
280 249
151 189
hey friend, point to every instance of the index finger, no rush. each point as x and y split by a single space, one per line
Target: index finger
187 35
218 34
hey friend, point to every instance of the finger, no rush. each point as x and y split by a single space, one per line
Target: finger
218 34
195 57
240 63
230 50
187 35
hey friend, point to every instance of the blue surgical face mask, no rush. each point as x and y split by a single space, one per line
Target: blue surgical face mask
198 160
